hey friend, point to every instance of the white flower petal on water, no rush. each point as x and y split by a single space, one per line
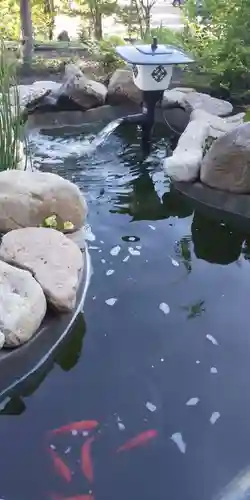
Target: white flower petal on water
126 258
90 247
87 232
197 361
131 238
138 247
214 417
121 426
192 402
133 251
74 432
67 450
212 339
109 272
178 440
111 301
103 261
85 433
150 406
213 369
115 250
151 227
174 262
164 308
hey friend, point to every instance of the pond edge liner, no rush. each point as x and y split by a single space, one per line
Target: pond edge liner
82 292
217 204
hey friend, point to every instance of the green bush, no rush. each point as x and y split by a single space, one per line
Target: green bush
165 36
221 46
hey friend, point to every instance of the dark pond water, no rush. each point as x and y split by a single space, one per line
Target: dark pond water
167 364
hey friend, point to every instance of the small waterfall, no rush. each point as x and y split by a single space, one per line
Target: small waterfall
88 147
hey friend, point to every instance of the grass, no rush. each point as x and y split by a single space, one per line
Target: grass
11 128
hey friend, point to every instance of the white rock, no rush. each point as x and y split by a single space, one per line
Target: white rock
55 261
22 305
27 198
122 88
85 92
184 164
197 100
30 93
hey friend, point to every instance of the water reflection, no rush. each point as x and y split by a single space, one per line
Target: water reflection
67 358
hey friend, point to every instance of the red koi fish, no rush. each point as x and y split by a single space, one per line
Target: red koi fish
60 467
84 425
139 440
54 496
86 460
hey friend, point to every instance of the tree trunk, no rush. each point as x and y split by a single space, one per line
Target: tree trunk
98 25
49 9
147 21
27 31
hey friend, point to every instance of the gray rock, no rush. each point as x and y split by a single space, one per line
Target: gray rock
63 36
226 166
27 198
22 305
122 89
83 91
195 100
55 261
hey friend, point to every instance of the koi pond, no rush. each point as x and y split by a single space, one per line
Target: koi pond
149 397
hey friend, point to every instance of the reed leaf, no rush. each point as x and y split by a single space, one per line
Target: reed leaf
11 120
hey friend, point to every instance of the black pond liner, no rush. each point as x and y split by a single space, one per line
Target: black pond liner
20 363
228 207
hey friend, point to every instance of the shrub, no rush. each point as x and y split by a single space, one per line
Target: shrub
221 45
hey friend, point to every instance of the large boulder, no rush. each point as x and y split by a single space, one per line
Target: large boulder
226 166
122 89
193 100
30 95
22 305
76 86
184 165
27 198
55 261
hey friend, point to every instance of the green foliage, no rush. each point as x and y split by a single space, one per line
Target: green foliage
104 52
11 128
221 45
165 36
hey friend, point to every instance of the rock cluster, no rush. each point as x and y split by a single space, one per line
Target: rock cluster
38 265
186 162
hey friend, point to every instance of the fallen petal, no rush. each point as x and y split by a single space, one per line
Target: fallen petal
175 262
151 227
109 272
213 370
177 439
126 258
192 401
132 251
164 308
111 301
212 339
214 417
115 250
150 406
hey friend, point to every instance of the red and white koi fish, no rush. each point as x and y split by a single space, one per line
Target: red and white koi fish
86 460
84 425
